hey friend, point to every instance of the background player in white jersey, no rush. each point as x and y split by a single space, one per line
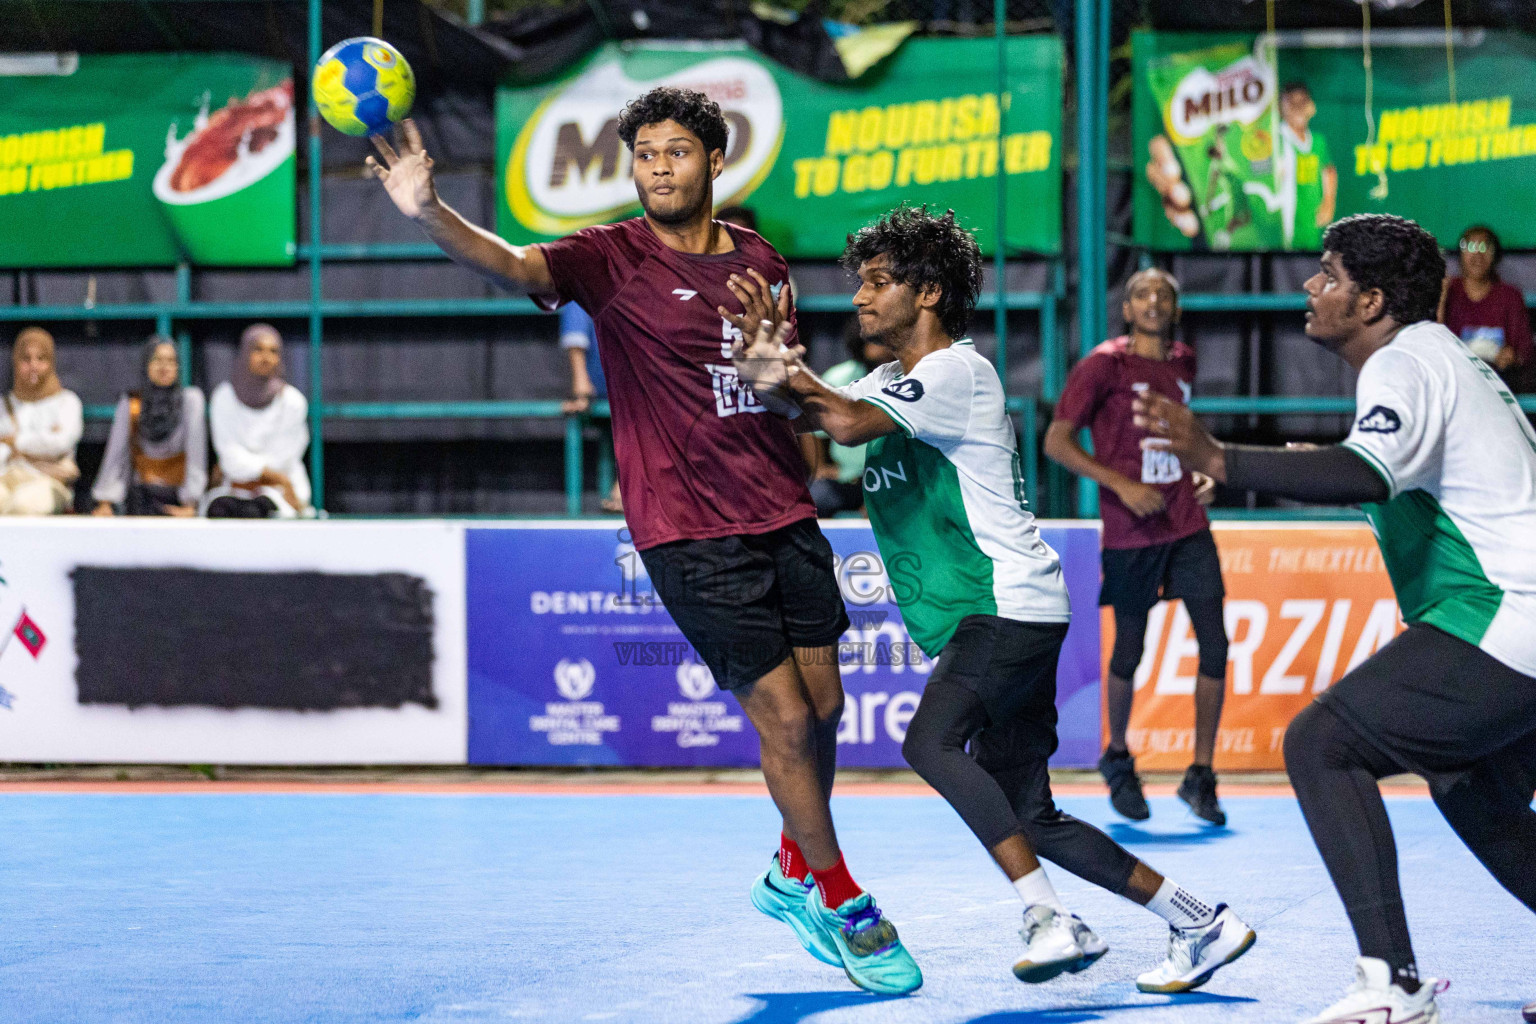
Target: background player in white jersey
978 590
1444 463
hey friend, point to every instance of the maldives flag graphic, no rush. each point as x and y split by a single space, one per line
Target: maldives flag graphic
30 636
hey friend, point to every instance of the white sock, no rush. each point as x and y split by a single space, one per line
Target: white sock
1035 890
1180 907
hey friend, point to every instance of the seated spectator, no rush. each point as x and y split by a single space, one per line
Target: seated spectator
156 463
40 428
260 428
1483 311
837 472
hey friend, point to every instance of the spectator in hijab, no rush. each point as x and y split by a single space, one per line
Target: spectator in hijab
1487 314
41 426
260 428
156 463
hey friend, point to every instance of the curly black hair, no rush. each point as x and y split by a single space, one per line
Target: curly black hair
688 107
1395 255
925 250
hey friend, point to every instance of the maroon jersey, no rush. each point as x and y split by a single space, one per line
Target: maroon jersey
1098 396
698 455
1500 317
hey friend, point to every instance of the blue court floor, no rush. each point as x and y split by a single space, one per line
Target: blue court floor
217 908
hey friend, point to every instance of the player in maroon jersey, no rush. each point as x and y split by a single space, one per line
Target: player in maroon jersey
1157 538
714 491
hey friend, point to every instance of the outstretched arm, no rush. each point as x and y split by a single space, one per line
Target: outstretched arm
1331 475
783 382
407 177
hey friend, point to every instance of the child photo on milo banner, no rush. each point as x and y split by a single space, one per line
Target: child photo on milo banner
1257 143
1237 164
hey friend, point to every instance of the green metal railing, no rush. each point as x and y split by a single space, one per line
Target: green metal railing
1092 87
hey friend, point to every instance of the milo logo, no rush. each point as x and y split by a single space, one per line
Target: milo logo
569 169
1240 92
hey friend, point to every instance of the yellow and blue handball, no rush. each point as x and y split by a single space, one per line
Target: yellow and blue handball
363 86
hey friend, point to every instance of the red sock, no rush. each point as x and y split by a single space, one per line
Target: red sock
791 860
836 884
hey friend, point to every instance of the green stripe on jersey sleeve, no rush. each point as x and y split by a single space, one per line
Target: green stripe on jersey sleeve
890 410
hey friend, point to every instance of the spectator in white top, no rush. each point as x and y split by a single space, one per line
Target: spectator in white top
260 428
39 431
156 462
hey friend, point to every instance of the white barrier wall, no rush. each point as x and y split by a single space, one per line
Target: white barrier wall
369 669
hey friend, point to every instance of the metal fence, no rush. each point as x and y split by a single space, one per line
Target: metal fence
1097 94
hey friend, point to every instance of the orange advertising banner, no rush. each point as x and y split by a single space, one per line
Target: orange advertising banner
1305 604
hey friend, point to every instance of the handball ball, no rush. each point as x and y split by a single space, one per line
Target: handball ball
363 86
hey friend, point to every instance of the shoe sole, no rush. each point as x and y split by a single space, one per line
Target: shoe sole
1033 973
1190 984
884 990
799 928
1088 960
1132 817
1220 822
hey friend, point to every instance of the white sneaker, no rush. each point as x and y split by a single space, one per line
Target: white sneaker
1050 945
1194 954
1375 999
1092 946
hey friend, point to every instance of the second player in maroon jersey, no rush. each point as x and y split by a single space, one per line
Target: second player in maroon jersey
1157 538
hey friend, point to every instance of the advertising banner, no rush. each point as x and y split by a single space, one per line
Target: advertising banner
1305 604
1256 143
572 660
198 642
814 161
142 160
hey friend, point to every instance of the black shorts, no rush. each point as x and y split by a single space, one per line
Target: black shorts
1135 579
744 601
1437 707
1011 667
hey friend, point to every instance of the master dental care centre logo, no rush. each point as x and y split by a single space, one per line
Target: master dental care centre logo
577 721
569 169
697 722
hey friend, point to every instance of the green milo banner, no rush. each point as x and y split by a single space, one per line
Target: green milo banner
146 160
1251 143
814 161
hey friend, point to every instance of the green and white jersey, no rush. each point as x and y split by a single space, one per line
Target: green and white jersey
946 500
1459 532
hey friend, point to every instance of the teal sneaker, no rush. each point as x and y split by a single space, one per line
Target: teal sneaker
872 953
784 898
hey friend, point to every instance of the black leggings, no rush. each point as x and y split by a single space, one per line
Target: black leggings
1205 615
1436 706
995 688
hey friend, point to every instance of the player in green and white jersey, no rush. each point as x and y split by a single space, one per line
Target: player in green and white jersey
1444 464
978 589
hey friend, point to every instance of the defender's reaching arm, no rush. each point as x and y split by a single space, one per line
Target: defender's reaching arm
782 382
1331 475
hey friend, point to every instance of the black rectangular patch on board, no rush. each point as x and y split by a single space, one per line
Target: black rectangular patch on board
304 641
